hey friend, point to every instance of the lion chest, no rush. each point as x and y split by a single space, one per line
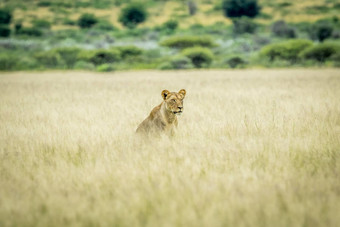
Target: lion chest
163 124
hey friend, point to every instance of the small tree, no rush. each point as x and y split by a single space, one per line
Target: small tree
235 62
5 16
87 20
281 29
244 25
200 56
323 31
132 15
239 8
321 52
5 31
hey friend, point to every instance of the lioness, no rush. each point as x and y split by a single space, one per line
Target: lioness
163 117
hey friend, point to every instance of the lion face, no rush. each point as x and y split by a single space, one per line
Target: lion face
174 101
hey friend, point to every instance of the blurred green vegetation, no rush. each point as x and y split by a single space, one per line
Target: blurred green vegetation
80 35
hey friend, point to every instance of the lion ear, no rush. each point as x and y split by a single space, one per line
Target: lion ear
182 92
165 93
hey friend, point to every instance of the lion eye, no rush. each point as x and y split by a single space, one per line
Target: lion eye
174 100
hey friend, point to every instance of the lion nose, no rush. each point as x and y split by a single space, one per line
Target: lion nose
180 107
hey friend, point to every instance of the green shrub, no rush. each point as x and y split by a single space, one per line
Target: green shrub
177 62
41 24
83 65
182 42
133 14
78 4
336 59
5 31
200 57
44 3
235 62
281 29
49 59
8 61
129 51
17 27
99 57
165 66
105 68
170 25
5 16
321 52
322 29
87 20
31 31
26 62
239 8
181 62
244 25
68 54
288 50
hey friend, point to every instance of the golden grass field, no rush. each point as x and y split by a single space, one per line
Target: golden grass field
253 148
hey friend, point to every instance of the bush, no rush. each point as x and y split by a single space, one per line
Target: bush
235 62
244 25
18 27
170 25
5 16
281 29
321 52
129 51
239 8
177 62
87 20
5 31
32 31
8 61
41 24
99 57
49 59
181 62
288 50
26 62
105 68
83 65
321 30
200 57
44 3
68 54
165 66
336 59
132 15
188 41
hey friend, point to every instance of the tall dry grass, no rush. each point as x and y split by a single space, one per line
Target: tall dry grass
254 148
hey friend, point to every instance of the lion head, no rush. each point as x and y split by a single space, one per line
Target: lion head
174 101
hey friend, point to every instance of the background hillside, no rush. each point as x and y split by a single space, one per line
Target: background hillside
209 11
174 34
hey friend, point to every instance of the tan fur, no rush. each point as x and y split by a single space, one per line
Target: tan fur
163 117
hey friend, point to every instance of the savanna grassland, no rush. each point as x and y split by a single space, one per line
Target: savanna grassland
254 148
209 11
